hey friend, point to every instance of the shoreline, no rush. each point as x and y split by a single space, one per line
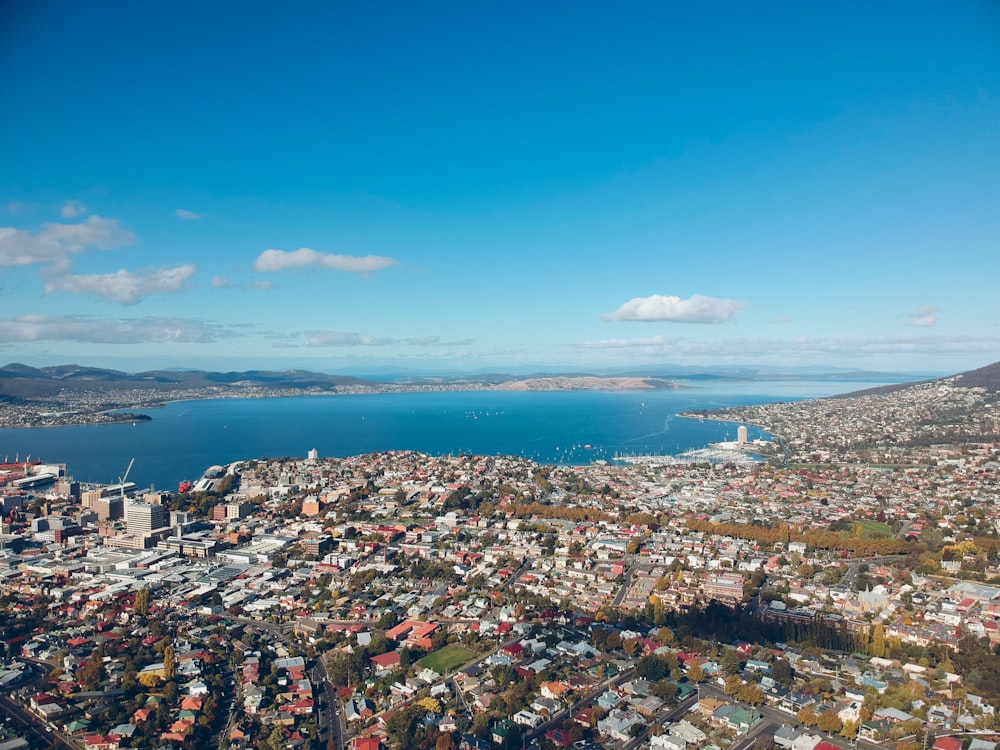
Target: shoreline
106 416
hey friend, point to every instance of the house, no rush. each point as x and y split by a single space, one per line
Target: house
618 724
527 719
688 733
99 742
785 735
503 730
947 743
388 660
666 742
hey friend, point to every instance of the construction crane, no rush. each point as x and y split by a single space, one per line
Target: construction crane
123 479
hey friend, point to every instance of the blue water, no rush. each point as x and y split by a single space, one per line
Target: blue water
184 438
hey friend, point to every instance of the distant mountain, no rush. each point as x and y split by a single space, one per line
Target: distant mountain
412 373
19 381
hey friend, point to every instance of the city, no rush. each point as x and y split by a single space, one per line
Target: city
846 592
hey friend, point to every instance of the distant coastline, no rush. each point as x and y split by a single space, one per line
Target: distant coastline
113 406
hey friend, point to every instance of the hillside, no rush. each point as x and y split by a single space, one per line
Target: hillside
958 409
18 381
987 377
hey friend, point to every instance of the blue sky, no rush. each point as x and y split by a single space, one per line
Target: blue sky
468 186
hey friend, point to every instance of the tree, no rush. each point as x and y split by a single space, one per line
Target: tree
696 674
169 662
666 691
807 716
877 647
828 721
444 742
149 680
433 705
781 672
276 739
141 606
751 694
733 684
730 662
92 672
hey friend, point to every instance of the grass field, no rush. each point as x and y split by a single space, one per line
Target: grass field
872 529
445 659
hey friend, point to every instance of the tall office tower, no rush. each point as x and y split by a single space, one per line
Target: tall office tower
142 517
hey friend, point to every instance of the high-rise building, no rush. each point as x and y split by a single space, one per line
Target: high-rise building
141 518
741 434
110 508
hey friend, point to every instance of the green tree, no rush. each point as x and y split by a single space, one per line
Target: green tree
276 739
730 662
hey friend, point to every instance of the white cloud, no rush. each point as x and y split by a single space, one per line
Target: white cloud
780 320
127 287
96 232
280 260
924 317
697 309
183 213
72 209
104 331
20 247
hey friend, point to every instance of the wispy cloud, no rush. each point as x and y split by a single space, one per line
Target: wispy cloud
304 257
924 317
780 320
72 209
343 338
660 308
628 343
107 331
17 208
221 282
183 213
55 242
127 287
808 349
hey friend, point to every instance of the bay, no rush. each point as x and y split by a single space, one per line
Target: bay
564 427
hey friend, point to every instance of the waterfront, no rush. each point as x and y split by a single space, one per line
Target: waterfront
184 438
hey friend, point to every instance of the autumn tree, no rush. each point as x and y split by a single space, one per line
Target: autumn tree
733 684
877 644
169 662
828 721
141 606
